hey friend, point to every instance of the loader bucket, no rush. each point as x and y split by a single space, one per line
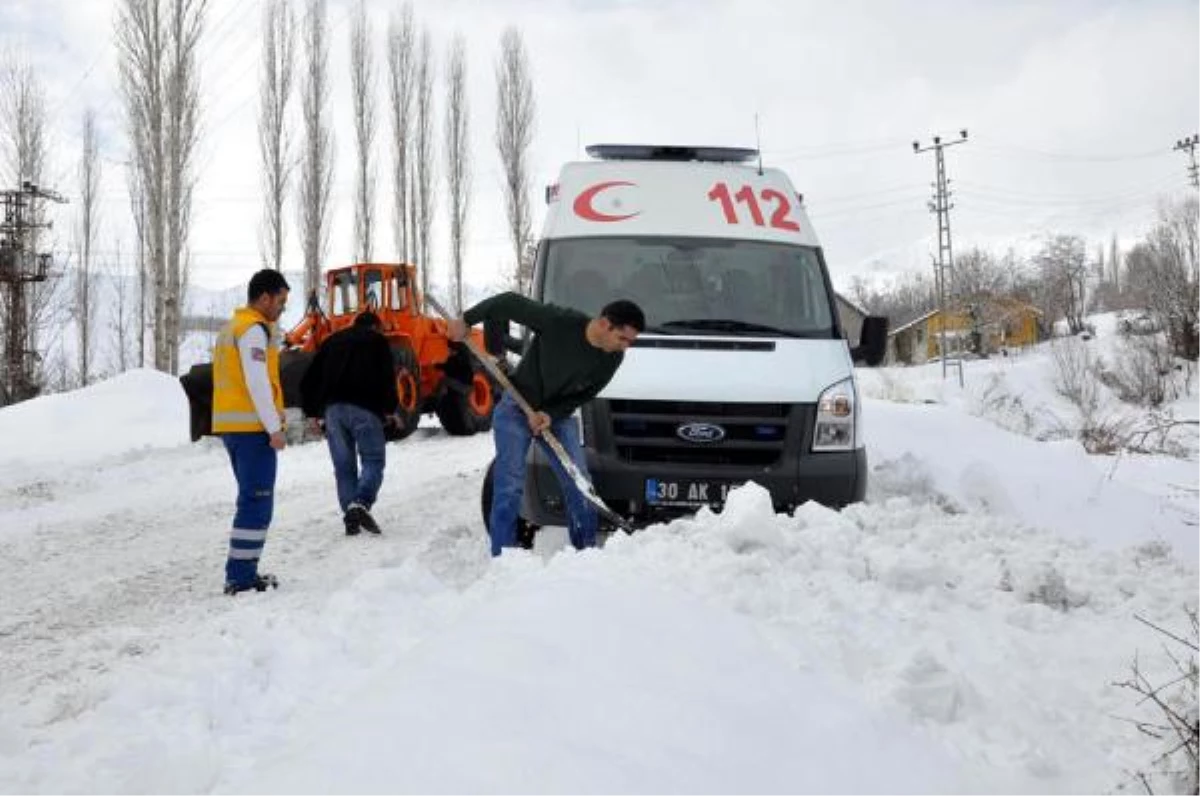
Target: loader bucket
293 364
198 386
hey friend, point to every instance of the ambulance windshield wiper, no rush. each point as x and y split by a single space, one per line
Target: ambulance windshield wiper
660 329
726 325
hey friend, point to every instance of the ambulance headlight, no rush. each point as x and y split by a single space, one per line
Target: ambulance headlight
837 418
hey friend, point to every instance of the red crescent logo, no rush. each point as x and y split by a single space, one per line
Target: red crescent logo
583 203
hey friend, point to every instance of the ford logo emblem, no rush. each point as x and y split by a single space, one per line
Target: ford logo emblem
701 433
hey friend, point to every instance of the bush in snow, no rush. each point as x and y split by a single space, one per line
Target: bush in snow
1105 434
1174 716
1144 372
1075 374
1043 585
1076 378
1007 409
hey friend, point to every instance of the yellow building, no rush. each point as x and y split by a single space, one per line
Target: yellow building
984 329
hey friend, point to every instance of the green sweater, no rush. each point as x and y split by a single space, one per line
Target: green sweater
561 370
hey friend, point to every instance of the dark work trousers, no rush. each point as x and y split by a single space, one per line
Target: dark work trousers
254 464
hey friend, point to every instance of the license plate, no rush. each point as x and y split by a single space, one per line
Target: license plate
685 492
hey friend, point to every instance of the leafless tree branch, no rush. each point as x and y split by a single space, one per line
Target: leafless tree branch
274 142
424 166
515 109
401 58
362 95
157 43
89 189
316 170
458 161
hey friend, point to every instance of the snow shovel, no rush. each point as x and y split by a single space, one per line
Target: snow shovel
581 482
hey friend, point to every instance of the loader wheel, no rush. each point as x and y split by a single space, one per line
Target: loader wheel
408 386
465 407
525 529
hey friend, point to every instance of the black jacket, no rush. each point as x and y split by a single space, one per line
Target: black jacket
354 366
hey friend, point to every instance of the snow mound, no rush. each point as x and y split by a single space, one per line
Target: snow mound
137 411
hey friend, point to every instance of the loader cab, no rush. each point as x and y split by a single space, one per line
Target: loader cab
344 298
381 287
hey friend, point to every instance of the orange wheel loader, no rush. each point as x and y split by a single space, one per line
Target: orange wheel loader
433 374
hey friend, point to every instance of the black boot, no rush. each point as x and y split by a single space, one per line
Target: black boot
358 512
260 583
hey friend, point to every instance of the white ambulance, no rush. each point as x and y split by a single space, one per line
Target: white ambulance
742 373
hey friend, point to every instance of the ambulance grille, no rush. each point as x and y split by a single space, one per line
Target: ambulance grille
647 432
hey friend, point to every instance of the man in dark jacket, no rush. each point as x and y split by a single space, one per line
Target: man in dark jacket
570 360
352 385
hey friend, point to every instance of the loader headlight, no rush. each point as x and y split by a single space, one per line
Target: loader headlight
837 418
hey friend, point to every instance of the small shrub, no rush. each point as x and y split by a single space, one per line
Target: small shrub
1175 719
1074 373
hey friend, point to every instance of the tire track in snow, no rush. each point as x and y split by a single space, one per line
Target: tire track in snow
117 557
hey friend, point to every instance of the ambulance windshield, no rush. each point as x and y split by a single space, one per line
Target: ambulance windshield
694 285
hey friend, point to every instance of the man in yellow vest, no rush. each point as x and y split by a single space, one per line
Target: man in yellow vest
248 416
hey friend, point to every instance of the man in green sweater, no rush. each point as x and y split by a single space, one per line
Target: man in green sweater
570 360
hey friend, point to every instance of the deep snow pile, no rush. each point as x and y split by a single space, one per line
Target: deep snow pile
957 633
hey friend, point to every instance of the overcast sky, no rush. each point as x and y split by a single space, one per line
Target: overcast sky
1072 109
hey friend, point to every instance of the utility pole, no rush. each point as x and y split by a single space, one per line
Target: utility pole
19 268
1189 145
943 266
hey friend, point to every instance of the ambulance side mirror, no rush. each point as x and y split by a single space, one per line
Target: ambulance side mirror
872 343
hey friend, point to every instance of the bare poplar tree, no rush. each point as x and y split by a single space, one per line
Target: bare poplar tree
458 161
1165 272
1114 262
157 42
515 109
274 143
362 95
316 169
85 282
142 261
979 277
1062 261
401 41
183 134
424 166
23 122
122 310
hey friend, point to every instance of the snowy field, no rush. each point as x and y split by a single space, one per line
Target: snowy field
958 632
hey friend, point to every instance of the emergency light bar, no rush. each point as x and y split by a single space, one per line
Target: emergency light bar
703 154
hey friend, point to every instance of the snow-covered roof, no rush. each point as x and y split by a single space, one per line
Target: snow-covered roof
913 322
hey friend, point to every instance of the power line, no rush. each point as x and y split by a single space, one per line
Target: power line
823 215
834 153
254 64
818 150
999 195
1075 157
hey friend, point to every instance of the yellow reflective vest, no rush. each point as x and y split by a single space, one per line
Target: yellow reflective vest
233 408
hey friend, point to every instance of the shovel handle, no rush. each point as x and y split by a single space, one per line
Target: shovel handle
546 434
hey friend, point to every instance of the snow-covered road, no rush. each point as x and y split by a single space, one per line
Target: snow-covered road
959 632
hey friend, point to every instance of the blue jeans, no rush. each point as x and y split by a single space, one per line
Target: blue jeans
510 429
354 433
254 464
